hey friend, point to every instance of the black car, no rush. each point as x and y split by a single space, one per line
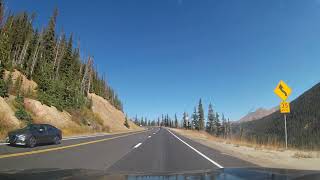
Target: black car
34 134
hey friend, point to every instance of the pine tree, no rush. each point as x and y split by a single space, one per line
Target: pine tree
3 84
195 120
211 119
1 13
224 126
5 45
17 85
21 113
185 120
126 123
217 125
175 121
200 116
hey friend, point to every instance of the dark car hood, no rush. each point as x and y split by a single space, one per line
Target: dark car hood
219 174
19 131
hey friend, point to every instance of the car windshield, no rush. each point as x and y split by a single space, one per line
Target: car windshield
163 89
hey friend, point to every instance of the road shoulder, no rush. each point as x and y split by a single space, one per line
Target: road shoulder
262 157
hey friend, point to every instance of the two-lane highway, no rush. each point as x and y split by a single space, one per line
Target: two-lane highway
157 150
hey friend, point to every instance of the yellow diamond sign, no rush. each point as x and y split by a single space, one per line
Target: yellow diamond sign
284 107
282 90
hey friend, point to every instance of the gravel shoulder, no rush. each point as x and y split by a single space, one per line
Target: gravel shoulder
280 158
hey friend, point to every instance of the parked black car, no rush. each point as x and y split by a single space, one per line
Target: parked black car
34 134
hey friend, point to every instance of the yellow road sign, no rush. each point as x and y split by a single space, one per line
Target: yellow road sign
282 90
284 107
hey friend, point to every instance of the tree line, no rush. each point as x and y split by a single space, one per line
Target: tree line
50 59
214 124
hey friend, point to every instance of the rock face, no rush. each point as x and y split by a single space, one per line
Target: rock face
112 117
7 117
48 115
27 85
258 114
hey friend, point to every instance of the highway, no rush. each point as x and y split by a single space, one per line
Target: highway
155 150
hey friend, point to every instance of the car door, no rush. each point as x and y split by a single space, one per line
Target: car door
51 133
42 134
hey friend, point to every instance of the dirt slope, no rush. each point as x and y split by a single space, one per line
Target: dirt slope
7 116
48 115
27 85
111 117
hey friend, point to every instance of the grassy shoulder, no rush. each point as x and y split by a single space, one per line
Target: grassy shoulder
272 156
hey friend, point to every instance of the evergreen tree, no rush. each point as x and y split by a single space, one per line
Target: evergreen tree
185 120
5 45
3 84
195 120
211 119
200 116
126 123
224 126
21 113
175 121
217 125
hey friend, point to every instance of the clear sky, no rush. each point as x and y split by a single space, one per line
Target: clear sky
161 56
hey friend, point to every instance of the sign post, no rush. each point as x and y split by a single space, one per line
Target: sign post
283 91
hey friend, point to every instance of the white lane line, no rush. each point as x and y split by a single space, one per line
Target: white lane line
136 146
204 156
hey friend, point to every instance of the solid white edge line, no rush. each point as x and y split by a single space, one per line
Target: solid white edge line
204 156
136 146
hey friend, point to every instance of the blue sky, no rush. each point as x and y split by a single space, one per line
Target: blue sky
161 56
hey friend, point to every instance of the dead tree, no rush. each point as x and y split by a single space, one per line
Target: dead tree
86 80
59 57
36 53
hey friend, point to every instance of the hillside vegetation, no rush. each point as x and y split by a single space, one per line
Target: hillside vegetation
100 116
43 79
49 59
303 124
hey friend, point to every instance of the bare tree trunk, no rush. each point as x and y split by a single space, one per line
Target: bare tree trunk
35 54
60 58
86 80
23 52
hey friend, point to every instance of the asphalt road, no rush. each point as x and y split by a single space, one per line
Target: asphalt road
152 151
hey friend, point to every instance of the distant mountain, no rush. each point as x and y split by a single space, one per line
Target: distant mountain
303 123
258 114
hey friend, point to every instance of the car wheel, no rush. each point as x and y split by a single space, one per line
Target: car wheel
56 140
32 142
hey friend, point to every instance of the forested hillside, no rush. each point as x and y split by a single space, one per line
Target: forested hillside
303 124
50 59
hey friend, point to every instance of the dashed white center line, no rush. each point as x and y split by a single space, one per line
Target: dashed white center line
136 146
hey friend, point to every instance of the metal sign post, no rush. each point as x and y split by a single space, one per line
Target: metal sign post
283 91
285 129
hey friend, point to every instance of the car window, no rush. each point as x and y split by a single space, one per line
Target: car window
50 128
43 127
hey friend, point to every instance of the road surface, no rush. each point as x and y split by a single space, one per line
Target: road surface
156 150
